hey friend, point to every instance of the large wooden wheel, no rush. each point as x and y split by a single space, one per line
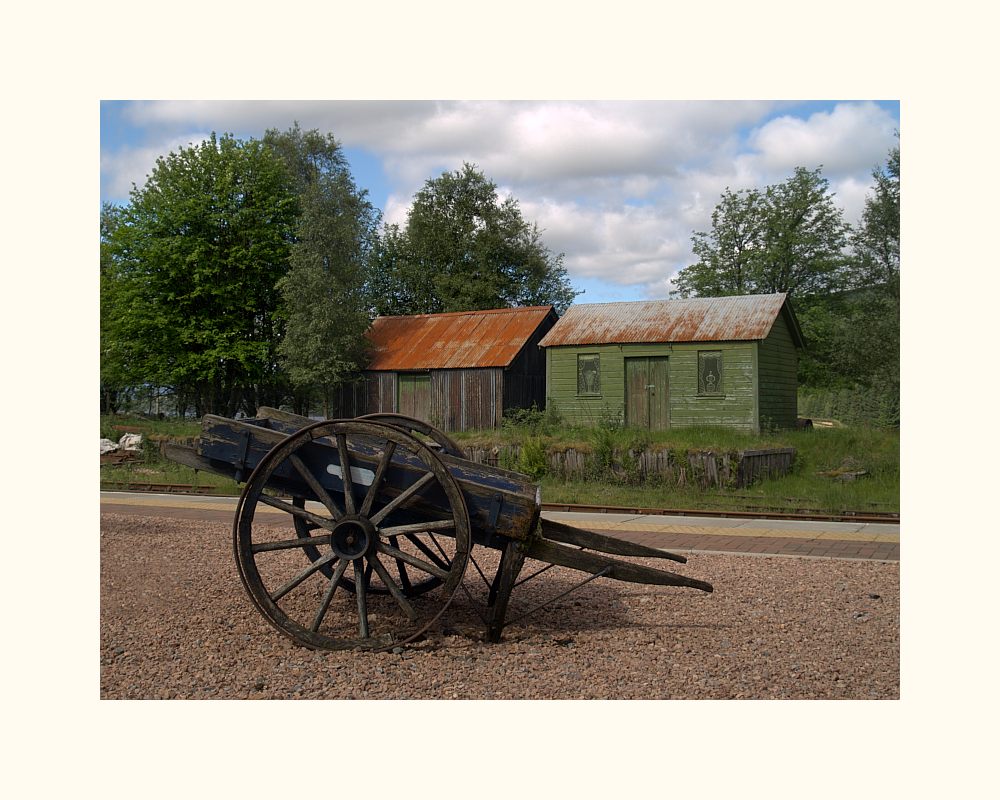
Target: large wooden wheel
412 425
365 499
412 586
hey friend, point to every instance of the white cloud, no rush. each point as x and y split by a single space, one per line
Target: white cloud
851 137
850 194
396 209
129 165
632 245
617 186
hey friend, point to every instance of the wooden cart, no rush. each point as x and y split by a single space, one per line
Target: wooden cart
375 525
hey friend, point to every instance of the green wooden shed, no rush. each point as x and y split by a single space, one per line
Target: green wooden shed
728 361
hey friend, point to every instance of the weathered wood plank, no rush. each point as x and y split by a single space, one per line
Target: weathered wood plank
586 561
567 534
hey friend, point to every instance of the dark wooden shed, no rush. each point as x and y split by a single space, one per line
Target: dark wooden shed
457 371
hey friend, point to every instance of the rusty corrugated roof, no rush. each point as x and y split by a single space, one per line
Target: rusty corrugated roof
458 340
699 319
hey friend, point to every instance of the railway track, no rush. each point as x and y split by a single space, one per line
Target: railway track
804 514
801 514
165 488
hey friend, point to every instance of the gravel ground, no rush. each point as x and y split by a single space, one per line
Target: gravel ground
176 623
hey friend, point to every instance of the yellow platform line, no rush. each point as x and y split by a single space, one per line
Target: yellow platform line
776 533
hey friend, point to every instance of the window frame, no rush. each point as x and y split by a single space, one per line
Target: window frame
720 390
591 356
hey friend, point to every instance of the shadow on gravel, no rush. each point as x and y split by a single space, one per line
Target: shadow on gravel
601 605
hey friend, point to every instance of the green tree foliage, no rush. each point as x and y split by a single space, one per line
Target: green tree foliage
729 255
463 248
323 301
876 242
805 236
859 341
869 338
394 285
114 384
195 259
790 238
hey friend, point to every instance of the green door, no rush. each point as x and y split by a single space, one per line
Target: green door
646 398
415 395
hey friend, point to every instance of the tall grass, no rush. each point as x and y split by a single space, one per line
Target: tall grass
148 426
151 466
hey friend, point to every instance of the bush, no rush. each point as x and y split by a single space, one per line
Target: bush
613 445
525 422
533 461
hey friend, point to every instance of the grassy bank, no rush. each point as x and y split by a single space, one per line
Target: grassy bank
821 455
151 467
824 457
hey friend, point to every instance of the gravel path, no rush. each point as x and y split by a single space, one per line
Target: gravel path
176 623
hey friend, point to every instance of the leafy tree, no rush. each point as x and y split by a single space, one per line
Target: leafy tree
323 302
789 238
868 341
822 321
860 327
729 255
463 248
876 242
114 384
195 260
393 287
805 236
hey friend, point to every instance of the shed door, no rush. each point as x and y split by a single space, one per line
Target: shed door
415 395
646 398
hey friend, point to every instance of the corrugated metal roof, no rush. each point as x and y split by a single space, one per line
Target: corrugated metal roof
458 340
699 319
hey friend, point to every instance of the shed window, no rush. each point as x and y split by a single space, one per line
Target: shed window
588 374
710 372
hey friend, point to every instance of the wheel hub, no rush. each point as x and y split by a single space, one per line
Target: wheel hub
352 537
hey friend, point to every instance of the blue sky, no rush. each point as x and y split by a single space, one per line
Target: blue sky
618 187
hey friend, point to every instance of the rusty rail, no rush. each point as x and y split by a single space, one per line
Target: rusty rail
166 488
846 516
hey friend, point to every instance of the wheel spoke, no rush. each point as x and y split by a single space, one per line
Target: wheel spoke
437 544
274 502
413 561
383 465
480 571
404 579
314 567
338 573
287 544
418 527
381 571
345 473
445 564
361 590
316 486
402 497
